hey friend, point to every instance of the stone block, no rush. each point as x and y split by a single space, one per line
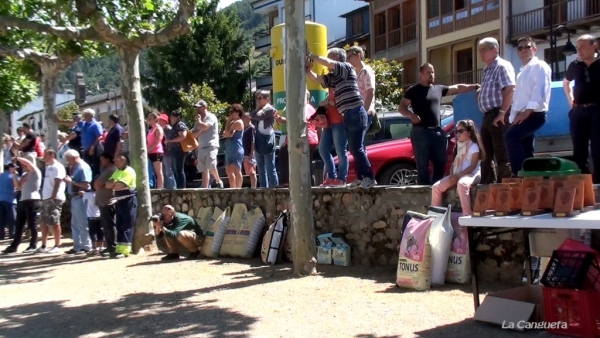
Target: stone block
379 225
392 234
326 198
378 237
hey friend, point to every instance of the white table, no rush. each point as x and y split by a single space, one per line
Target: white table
585 220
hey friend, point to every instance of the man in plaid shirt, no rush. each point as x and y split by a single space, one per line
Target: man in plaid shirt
494 99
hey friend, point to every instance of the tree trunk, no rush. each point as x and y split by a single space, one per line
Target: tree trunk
138 152
303 234
49 85
3 129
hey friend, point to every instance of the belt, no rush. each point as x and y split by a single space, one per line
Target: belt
584 105
522 111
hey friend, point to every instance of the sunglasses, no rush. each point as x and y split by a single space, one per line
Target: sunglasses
522 48
460 131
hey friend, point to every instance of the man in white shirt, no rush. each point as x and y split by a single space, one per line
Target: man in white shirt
530 104
206 131
365 80
53 198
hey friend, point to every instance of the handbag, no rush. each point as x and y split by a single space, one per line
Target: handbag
189 143
375 126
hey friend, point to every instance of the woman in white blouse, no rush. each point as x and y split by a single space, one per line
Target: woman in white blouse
465 169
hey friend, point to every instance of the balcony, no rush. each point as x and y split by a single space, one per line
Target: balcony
262 40
577 14
475 13
472 76
397 37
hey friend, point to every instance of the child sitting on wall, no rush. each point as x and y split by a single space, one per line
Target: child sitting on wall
465 170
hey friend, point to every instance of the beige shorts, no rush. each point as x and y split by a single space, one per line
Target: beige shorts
207 158
51 211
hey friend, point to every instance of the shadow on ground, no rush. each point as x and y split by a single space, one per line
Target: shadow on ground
135 315
20 269
470 328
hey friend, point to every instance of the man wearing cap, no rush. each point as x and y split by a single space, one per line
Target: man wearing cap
206 130
178 229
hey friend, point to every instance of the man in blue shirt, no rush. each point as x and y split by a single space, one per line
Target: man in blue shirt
7 202
91 134
79 180
112 142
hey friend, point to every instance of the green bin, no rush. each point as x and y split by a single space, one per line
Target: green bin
548 166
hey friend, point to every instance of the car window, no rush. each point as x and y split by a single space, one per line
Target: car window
447 120
397 128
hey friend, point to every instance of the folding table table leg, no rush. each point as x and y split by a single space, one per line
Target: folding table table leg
473 258
528 272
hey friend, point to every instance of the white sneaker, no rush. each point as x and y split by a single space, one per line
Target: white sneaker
40 250
354 184
54 250
368 183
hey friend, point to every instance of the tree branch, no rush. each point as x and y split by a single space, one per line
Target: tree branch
47 62
67 33
178 26
89 10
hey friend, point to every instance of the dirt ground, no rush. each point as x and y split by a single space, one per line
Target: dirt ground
67 296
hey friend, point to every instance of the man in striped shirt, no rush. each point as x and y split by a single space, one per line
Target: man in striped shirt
343 80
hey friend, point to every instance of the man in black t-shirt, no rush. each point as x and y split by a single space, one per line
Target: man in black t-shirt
427 136
27 145
584 117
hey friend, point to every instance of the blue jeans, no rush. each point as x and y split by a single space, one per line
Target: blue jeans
177 166
79 225
267 175
520 141
335 136
356 123
7 219
168 173
429 144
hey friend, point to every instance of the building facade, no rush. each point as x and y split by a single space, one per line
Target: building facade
396 35
357 30
106 104
325 12
535 18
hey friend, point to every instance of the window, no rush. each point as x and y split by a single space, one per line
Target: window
379 24
464 66
433 9
447 6
357 24
459 4
394 18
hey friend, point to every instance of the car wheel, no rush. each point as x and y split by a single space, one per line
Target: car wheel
400 174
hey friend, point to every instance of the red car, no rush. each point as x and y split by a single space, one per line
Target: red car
393 162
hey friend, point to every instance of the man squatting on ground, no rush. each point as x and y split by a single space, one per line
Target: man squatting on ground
178 229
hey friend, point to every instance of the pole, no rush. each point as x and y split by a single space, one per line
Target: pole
553 57
303 234
250 84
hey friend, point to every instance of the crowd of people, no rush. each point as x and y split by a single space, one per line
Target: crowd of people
513 107
90 163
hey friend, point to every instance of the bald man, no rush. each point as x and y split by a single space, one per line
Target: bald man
178 228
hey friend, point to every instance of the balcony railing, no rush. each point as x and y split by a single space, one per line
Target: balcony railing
472 76
262 39
475 13
571 12
395 38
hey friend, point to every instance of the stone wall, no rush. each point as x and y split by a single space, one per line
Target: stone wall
371 220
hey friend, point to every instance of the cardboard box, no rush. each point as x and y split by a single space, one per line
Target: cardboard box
543 241
508 308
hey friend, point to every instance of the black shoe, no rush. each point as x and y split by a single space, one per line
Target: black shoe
170 257
105 253
71 252
8 250
82 252
193 255
115 255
